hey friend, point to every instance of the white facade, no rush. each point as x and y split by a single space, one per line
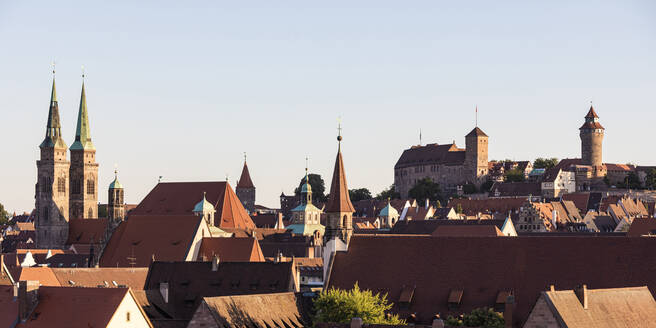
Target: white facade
129 315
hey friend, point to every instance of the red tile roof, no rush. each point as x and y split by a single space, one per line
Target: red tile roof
339 200
447 154
580 200
467 231
491 205
9 306
591 113
43 274
231 249
167 237
179 198
86 231
245 179
101 277
642 227
476 132
483 266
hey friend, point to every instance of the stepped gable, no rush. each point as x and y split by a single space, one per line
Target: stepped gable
447 154
524 265
339 200
231 249
166 237
179 198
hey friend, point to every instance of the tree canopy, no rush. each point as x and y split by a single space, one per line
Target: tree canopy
318 187
426 189
359 194
340 306
514 175
388 193
650 181
545 163
4 215
484 317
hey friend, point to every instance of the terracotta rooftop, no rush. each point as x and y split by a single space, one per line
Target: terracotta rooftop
591 113
231 249
86 231
262 310
472 230
179 198
483 267
133 278
447 154
9 313
492 205
166 237
476 132
339 199
642 227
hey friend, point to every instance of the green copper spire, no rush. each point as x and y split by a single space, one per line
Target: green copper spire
83 133
53 129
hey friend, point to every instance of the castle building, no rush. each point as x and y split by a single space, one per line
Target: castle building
449 166
306 218
52 186
84 169
592 137
245 189
339 209
116 201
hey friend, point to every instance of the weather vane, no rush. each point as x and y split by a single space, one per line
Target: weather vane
53 67
83 73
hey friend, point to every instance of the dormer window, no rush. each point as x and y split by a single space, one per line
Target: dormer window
455 298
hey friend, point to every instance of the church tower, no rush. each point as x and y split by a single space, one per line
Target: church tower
339 210
51 192
115 201
476 156
245 189
84 169
592 136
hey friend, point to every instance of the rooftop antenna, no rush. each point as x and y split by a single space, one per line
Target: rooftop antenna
476 115
244 157
420 136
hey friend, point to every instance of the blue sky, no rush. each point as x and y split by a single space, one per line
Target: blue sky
181 89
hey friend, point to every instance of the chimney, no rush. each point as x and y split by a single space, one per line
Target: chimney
427 203
508 311
280 224
27 294
215 263
164 290
356 323
554 216
582 294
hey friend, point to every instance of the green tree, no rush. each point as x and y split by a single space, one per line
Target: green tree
484 317
545 163
514 176
4 215
651 179
633 181
317 185
438 204
469 189
459 209
340 306
388 193
426 189
359 194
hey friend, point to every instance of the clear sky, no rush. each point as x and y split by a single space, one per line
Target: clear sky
182 88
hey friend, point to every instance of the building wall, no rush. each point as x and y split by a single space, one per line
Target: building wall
591 146
530 219
129 309
51 201
83 174
476 159
203 231
247 198
447 176
541 316
116 205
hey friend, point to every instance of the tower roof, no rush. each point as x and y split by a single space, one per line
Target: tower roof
245 179
83 132
115 184
388 210
53 137
591 113
203 206
476 132
339 200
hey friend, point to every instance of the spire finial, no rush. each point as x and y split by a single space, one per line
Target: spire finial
420 136
306 166
476 115
83 73
53 68
244 157
339 132
204 194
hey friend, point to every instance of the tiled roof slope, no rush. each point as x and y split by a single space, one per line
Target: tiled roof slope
245 179
484 266
179 198
90 307
447 154
492 205
166 237
427 227
642 227
86 231
9 306
614 307
476 132
339 200
263 310
467 231
102 277
231 249
189 282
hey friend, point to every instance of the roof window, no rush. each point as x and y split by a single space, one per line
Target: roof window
455 298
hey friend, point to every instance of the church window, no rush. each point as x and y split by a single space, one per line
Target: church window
61 185
90 187
90 213
77 186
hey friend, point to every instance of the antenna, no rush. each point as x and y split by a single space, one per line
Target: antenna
53 67
476 115
420 136
244 157
83 73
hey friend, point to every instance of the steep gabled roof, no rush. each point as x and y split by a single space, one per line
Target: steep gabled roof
179 198
339 200
245 179
102 277
263 310
86 231
476 132
231 249
471 230
447 154
166 237
642 227
591 113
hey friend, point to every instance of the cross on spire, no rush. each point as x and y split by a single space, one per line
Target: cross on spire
244 157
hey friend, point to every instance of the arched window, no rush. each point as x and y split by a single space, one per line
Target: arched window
90 213
91 189
61 185
77 186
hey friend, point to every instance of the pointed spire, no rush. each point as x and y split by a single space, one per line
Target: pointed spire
53 129
245 179
83 132
339 200
306 188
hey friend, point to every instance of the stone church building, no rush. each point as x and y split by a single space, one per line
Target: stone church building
451 167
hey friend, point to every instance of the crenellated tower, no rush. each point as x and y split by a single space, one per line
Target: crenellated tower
52 188
84 169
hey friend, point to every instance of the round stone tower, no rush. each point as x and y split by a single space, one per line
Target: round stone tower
592 136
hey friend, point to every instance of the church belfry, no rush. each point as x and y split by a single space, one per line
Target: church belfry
84 169
52 188
115 201
245 189
339 209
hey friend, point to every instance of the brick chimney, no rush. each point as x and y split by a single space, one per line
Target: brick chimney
508 311
582 294
279 223
27 295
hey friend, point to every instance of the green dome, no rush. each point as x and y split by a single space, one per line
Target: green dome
389 211
306 188
115 184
